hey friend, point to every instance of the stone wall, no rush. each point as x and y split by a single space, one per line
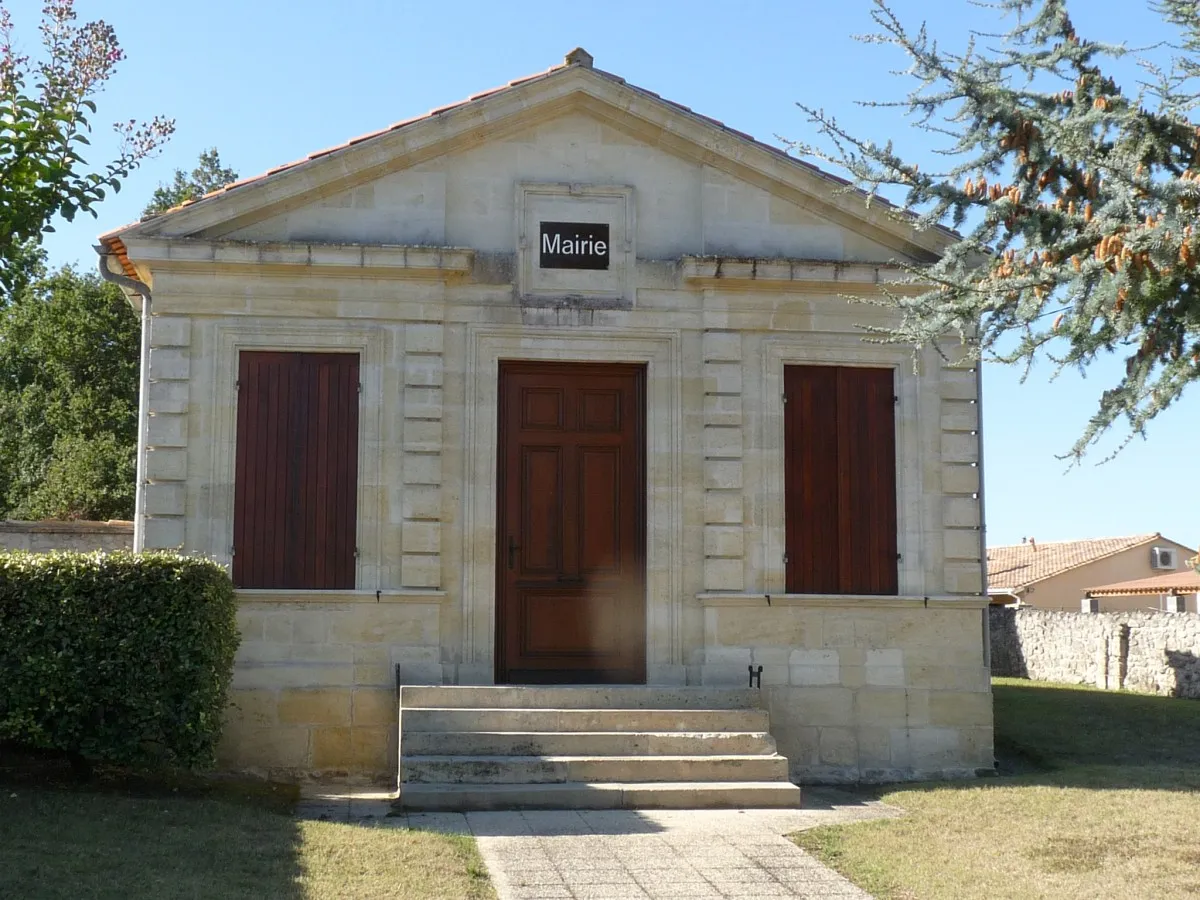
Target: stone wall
867 689
86 536
314 685
1153 652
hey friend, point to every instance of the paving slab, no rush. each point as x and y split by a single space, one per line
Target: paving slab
616 854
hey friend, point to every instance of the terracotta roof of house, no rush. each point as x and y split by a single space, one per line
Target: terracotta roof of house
577 57
1184 582
1015 567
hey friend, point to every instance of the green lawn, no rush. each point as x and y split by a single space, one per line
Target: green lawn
222 844
1101 800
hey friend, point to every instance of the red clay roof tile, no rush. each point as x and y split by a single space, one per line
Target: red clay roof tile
1185 582
1015 567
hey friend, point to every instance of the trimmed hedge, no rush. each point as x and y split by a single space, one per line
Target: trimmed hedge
121 658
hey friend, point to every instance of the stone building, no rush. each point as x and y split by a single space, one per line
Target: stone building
557 385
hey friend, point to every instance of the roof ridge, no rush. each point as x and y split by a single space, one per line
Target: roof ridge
1041 543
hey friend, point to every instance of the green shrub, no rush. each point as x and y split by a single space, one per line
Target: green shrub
122 658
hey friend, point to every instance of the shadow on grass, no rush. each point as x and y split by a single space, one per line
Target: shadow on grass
1052 726
831 797
1075 736
1084 777
129 835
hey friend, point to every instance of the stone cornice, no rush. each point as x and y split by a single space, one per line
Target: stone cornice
401 261
842 601
764 274
307 596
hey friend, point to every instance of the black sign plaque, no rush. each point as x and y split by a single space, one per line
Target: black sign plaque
573 245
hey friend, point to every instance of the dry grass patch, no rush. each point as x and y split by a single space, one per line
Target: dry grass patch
96 844
354 861
1067 836
1066 827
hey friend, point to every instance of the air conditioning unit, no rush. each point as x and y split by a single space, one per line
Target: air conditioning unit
1163 558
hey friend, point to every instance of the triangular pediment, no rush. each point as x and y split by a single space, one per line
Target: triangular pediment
447 179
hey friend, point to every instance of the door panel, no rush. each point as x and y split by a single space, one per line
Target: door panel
600 507
600 410
571 524
542 408
541 513
557 623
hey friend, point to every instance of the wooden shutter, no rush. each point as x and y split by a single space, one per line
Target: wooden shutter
867 481
296 481
811 479
840 480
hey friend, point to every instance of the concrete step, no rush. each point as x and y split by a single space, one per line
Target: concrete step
613 795
588 747
591 769
586 743
577 697
546 720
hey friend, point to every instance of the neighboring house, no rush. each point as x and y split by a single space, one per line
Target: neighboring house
1058 574
1171 592
558 385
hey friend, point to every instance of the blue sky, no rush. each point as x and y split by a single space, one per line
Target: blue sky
267 81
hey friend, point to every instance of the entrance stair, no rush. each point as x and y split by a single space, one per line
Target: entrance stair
476 748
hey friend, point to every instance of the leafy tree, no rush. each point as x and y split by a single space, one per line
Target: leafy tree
209 175
27 263
1078 203
43 129
68 342
68 399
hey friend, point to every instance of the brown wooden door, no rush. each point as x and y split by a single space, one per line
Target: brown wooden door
571 599
840 480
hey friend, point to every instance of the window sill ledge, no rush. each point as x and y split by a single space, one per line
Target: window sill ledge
285 595
843 601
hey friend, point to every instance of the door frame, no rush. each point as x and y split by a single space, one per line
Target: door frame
504 473
660 350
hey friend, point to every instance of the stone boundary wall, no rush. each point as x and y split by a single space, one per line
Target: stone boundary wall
85 536
1151 652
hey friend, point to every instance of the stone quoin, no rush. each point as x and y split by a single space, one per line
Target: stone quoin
554 387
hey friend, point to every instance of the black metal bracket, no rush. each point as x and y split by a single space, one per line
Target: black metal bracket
755 676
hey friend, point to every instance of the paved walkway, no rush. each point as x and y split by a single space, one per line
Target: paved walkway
650 854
